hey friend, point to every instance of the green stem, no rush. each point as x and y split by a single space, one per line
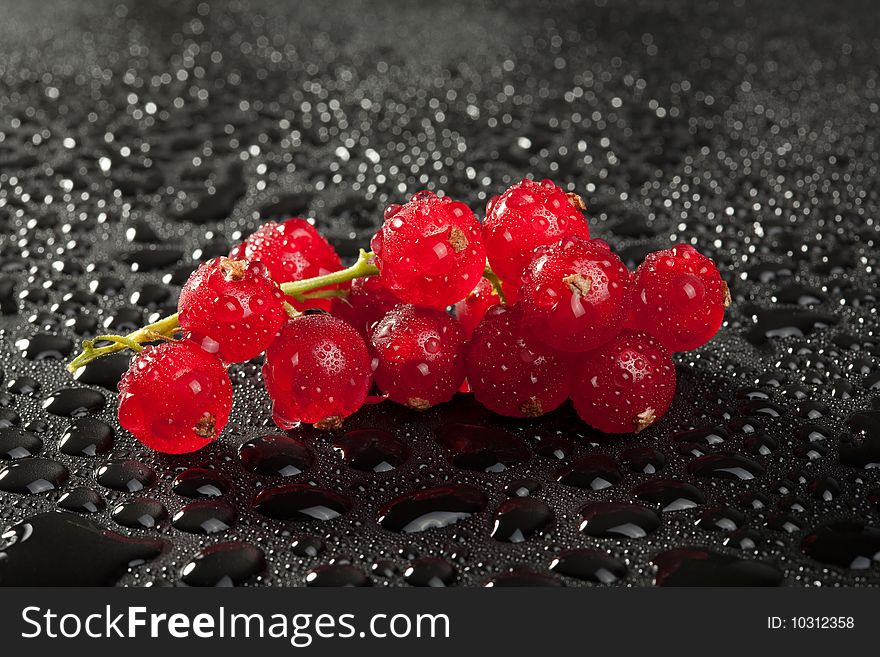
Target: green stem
167 327
363 267
492 277
164 328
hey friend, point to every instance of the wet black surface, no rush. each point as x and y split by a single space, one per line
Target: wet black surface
133 151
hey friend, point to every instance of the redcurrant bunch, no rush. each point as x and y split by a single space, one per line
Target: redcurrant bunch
528 215
232 308
292 250
317 371
175 397
418 356
557 316
429 251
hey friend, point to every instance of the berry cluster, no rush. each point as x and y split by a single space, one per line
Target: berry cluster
555 315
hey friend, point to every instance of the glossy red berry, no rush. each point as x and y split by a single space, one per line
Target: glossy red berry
317 371
576 294
231 308
470 311
510 372
418 356
430 250
366 302
626 385
175 397
679 297
292 251
528 215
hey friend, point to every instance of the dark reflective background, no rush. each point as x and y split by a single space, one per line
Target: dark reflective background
138 140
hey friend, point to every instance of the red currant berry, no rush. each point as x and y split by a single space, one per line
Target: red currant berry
576 294
626 385
510 372
175 397
470 311
231 308
366 302
430 250
528 215
418 356
292 251
317 371
679 297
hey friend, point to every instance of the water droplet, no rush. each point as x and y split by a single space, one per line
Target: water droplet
275 455
700 567
518 518
301 502
589 565
224 564
204 517
371 450
618 519
64 549
432 508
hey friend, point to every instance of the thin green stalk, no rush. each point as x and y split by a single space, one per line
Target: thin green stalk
167 327
492 277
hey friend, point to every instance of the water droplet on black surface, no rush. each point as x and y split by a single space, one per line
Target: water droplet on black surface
74 402
30 476
23 385
589 565
371 450
275 455
44 346
784 323
522 487
204 517
64 549
224 564
432 508
724 518
385 568
82 500
198 482
518 518
645 460
618 519
307 546
17 443
337 574
149 259
700 567
725 466
8 418
475 447
139 513
521 577
86 436
126 475
670 494
301 502
863 450
104 372
824 488
592 472
847 543
429 571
